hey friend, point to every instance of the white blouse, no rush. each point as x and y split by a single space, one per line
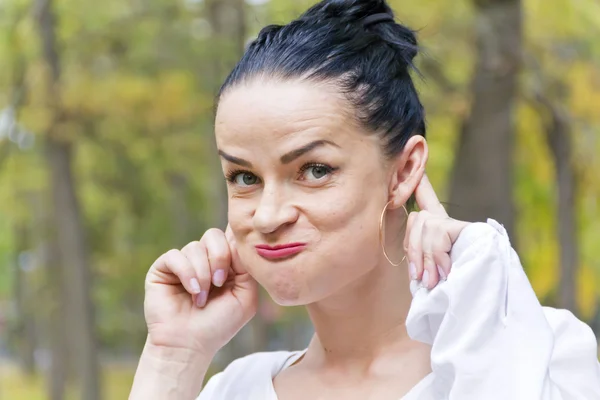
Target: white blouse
491 339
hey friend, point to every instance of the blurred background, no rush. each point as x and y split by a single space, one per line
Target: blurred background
107 160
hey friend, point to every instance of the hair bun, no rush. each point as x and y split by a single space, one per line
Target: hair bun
347 11
356 12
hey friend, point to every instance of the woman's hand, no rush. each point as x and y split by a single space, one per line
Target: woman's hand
199 297
430 234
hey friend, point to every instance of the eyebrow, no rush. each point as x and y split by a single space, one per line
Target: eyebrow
235 160
286 158
294 154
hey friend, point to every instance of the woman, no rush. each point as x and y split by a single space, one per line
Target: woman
321 136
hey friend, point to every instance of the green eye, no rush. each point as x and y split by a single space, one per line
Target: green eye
246 179
316 172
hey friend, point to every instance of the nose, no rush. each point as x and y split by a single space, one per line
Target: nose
273 211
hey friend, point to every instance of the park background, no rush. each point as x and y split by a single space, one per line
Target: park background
107 160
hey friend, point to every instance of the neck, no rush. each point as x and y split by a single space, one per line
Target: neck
365 320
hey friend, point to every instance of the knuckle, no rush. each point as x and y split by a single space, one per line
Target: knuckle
413 250
429 223
195 251
191 246
428 257
172 254
174 259
219 258
213 232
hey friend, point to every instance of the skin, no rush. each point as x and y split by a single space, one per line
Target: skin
329 196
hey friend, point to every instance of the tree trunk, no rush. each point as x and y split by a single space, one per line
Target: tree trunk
53 315
68 226
180 214
559 141
228 22
56 320
481 185
75 266
547 95
24 304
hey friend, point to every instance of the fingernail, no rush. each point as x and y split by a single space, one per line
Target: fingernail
425 279
201 299
412 269
219 278
442 273
195 285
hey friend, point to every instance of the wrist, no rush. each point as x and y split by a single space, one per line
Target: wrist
170 372
159 353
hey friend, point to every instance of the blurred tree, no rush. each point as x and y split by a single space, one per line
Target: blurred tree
557 126
25 330
556 152
227 19
482 181
67 224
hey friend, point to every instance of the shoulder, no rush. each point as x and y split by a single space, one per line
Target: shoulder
249 374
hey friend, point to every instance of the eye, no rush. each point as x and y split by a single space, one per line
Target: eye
316 171
244 179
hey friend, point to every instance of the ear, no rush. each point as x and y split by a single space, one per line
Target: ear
407 170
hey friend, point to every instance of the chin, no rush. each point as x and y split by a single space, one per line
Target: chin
285 284
284 288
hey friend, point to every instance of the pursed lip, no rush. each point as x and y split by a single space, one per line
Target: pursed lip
279 251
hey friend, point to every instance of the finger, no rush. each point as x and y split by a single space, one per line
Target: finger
412 270
443 246
415 250
229 234
236 262
219 255
443 263
174 264
430 273
196 253
427 199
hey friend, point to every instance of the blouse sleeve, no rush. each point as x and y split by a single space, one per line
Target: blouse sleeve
491 338
210 390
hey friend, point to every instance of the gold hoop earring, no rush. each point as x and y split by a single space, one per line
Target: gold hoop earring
382 235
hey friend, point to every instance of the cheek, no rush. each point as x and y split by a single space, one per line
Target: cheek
347 213
352 237
348 225
239 217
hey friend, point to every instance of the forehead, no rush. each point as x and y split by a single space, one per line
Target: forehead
272 112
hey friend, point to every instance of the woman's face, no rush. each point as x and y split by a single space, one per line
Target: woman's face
302 175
